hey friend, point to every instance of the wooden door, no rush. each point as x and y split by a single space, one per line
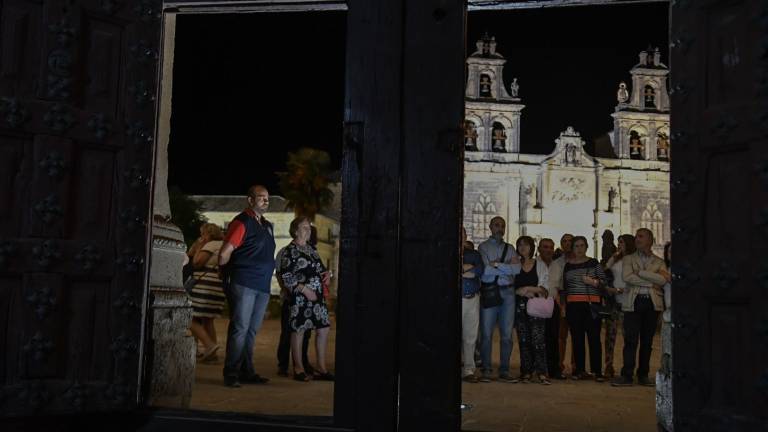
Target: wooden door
398 316
719 121
77 115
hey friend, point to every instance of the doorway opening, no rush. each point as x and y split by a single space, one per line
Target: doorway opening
256 98
563 136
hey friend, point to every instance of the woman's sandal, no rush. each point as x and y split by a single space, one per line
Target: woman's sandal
301 376
324 376
544 380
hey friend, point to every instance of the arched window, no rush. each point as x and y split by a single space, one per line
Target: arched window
485 86
482 212
650 97
470 135
654 221
636 145
498 138
662 146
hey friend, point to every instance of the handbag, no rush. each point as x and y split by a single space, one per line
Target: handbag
192 281
490 293
600 311
540 307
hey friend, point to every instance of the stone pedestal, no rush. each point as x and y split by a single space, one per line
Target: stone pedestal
171 348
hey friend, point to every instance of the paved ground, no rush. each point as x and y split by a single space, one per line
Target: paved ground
563 406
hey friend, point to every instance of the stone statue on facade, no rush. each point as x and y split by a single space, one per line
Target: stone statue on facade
622 95
514 88
611 198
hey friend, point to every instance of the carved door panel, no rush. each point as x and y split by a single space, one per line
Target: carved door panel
77 110
719 193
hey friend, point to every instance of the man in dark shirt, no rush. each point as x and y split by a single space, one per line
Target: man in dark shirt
247 260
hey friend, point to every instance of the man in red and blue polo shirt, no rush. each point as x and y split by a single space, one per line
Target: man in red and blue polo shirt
247 260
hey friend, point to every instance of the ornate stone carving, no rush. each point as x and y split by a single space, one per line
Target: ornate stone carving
514 88
59 118
570 189
46 253
15 113
622 95
53 164
89 257
42 299
39 347
49 209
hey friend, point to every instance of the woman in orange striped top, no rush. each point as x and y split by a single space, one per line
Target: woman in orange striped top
583 280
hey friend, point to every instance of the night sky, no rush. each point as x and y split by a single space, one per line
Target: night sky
275 82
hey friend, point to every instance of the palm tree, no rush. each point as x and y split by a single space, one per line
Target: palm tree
305 183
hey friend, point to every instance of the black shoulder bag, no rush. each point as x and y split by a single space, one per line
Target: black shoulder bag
490 293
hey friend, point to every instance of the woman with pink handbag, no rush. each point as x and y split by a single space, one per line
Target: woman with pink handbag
534 305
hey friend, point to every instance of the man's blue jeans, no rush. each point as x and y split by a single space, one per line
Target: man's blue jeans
246 312
504 316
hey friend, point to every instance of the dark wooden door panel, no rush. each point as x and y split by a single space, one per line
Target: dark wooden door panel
719 70
77 113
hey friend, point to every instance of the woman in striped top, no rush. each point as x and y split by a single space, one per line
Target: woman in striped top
207 295
583 279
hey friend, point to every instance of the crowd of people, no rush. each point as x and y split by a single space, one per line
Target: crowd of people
546 294
543 293
236 269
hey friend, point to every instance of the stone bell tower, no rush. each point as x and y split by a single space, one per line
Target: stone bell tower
641 119
492 119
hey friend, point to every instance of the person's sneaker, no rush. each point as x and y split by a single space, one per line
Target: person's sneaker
471 378
621 381
599 378
505 377
253 379
485 377
644 381
231 381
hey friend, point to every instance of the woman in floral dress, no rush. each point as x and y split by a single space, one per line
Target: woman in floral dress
302 273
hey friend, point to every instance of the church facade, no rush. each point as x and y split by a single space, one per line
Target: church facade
623 188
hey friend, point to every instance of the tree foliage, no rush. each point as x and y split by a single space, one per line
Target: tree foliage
186 214
305 182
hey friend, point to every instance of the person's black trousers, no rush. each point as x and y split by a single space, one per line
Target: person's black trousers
552 337
639 325
284 346
581 323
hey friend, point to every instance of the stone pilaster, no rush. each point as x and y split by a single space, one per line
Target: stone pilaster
170 349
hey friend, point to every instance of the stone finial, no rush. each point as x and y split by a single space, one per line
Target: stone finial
657 57
622 95
514 88
643 57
